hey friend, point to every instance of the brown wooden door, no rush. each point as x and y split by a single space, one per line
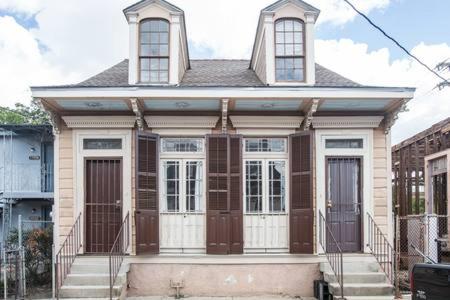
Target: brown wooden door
301 217
344 197
147 204
103 203
224 219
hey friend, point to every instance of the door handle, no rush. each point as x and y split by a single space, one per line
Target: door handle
329 204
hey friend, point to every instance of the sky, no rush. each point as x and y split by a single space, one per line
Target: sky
50 42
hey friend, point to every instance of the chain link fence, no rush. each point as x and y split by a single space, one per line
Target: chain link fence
420 239
27 261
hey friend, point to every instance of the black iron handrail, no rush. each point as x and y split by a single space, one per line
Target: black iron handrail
67 254
332 250
381 249
118 252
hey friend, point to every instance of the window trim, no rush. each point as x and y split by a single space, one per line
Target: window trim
304 56
149 57
174 154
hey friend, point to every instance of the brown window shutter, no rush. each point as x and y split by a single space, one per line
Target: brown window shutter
147 208
301 195
224 195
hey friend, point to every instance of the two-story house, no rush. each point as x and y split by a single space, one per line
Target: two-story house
26 175
228 177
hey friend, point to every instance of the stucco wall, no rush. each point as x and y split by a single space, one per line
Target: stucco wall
380 173
223 280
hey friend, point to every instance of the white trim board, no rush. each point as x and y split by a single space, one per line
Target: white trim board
347 122
321 135
99 121
181 121
266 121
79 168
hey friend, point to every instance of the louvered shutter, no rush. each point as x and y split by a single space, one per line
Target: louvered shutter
147 211
235 195
224 196
301 195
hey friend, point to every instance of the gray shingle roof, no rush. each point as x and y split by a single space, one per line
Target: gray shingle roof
213 73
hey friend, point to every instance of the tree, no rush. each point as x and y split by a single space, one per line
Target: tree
23 114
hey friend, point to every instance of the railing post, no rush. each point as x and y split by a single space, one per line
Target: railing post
397 257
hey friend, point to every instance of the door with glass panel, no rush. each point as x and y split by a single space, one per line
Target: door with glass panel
182 216
265 190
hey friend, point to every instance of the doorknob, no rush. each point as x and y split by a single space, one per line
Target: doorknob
329 204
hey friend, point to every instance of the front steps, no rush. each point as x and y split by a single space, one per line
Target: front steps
363 279
89 279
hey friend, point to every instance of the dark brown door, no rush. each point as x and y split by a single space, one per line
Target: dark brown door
301 217
147 208
103 203
224 229
344 201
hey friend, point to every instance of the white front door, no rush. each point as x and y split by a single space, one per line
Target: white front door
182 217
265 206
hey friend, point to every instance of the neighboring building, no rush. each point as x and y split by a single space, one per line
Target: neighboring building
26 174
420 172
222 157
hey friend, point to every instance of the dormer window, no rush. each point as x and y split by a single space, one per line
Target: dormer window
154 51
289 50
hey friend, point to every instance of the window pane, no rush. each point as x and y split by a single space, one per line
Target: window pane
145 64
154 25
145 76
164 38
289 48
279 26
194 174
154 64
181 145
279 38
298 26
164 64
253 186
145 38
154 76
163 26
265 145
280 49
288 25
280 76
298 38
163 76
102 144
289 37
154 37
145 26
163 50
298 49
277 187
344 143
145 50
171 182
298 75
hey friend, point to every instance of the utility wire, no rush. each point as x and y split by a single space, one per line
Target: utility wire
396 42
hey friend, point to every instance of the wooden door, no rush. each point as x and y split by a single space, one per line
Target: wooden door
224 229
103 203
147 208
301 216
344 201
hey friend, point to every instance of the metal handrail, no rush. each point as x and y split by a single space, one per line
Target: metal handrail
118 251
381 249
67 254
332 250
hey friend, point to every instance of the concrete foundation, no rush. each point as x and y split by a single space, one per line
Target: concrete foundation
223 280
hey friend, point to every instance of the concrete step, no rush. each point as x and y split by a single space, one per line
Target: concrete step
353 267
363 277
362 289
92 279
90 268
88 291
369 297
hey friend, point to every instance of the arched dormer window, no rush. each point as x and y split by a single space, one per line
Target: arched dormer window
289 50
154 51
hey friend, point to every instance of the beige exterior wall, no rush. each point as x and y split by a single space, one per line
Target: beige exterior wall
64 176
260 67
380 179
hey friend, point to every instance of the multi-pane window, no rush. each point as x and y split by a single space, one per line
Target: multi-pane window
265 145
102 144
154 51
182 145
344 143
289 50
182 185
265 186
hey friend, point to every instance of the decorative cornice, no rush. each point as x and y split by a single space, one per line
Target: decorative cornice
181 121
347 122
393 116
266 121
224 115
100 121
138 111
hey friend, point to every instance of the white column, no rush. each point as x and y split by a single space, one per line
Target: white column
174 49
309 40
270 48
133 48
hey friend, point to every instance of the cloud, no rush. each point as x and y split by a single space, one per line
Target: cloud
354 61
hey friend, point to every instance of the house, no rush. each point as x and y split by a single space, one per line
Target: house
228 175
26 175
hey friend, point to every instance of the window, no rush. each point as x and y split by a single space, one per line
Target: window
102 144
265 145
344 144
289 50
182 145
182 185
154 51
265 186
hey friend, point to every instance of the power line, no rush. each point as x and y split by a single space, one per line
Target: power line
445 81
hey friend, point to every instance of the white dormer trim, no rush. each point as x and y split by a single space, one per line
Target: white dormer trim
266 121
133 60
182 121
347 122
99 121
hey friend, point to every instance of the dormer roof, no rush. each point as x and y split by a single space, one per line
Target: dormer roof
308 8
141 4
